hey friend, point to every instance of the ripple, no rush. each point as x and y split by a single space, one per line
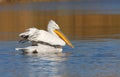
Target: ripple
89 58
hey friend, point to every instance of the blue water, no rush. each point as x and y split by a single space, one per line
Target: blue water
85 6
89 58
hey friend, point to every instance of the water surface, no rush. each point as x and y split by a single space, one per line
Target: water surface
98 57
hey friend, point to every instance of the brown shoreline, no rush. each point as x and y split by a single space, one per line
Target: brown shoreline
76 25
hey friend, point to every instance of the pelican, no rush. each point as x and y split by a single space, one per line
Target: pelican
50 41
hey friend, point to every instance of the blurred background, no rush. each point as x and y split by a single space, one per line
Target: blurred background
77 18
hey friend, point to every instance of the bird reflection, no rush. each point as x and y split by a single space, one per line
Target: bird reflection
45 65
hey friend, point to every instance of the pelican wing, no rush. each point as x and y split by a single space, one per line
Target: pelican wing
26 35
46 37
37 35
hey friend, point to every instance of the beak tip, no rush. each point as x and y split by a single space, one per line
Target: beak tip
72 46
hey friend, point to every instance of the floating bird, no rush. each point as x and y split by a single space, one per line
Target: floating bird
42 41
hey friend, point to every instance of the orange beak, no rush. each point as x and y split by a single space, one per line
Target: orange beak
62 36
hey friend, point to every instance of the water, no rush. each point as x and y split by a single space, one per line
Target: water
90 58
103 7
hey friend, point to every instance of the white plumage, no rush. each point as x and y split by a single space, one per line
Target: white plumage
46 41
42 35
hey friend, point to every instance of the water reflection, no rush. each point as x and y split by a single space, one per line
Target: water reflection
43 65
90 58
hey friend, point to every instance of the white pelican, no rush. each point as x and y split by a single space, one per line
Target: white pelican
44 41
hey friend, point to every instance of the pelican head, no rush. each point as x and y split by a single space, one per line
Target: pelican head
52 26
54 29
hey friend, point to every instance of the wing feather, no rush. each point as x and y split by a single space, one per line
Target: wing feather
34 34
47 37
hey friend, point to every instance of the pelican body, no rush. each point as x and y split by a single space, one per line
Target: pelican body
42 41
